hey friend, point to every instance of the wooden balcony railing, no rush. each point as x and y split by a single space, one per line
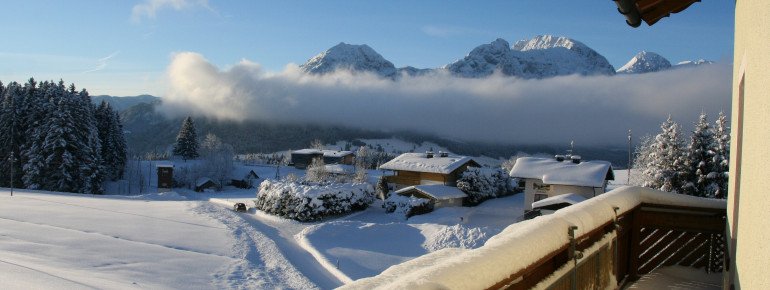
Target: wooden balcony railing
637 242
605 242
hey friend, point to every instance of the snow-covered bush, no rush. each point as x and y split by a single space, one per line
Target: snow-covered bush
407 205
477 186
312 202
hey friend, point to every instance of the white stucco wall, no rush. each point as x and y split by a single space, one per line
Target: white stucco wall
554 190
748 198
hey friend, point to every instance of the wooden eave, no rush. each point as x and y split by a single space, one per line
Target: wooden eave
651 11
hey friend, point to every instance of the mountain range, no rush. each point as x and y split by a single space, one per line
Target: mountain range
540 57
646 62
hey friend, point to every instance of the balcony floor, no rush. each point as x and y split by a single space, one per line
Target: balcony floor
680 278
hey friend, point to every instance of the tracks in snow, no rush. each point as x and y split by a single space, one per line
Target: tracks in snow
261 262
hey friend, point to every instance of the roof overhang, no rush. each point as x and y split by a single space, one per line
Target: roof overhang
650 10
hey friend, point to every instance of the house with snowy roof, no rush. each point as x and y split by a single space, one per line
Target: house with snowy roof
542 178
427 169
438 195
243 177
302 158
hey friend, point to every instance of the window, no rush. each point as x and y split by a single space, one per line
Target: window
541 187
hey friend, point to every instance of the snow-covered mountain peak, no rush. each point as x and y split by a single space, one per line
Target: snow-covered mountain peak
645 62
350 57
545 42
539 57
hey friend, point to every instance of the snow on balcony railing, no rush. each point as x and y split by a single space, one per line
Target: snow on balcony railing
520 245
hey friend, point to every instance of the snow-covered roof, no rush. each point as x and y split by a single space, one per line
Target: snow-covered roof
307 151
326 153
339 168
420 163
550 171
164 164
570 198
436 191
242 172
203 180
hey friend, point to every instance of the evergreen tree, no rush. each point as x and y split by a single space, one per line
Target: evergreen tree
37 107
91 172
667 164
719 173
187 141
699 158
113 149
642 155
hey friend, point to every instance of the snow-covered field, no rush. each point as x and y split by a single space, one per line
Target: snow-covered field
185 239
192 240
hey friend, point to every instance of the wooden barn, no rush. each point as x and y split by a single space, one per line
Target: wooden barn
427 169
205 184
165 176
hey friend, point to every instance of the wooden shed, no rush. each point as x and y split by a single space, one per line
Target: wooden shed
165 176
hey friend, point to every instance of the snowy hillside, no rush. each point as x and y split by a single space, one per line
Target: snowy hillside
645 62
540 57
350 57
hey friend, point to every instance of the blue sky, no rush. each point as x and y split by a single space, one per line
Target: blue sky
124 47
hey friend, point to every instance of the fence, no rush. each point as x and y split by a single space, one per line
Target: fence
635 243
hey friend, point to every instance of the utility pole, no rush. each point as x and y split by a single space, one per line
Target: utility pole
628 178
12 159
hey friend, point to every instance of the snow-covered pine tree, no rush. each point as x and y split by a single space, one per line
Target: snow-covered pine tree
642 155
37 105
187 141
699 158
667 160
91 172
112 141
719 174
61 146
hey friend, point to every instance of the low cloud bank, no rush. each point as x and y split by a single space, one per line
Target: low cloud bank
592 110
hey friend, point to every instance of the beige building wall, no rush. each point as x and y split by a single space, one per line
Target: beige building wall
536 186
748 212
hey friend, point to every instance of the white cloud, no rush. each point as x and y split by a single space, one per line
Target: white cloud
590 110
149 8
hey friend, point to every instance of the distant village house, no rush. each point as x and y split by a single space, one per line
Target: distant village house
243 177
429 176
542 178
302 158
427 169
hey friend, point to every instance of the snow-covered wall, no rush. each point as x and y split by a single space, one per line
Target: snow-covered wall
519 245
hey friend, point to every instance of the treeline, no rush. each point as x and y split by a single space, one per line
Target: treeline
53 138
